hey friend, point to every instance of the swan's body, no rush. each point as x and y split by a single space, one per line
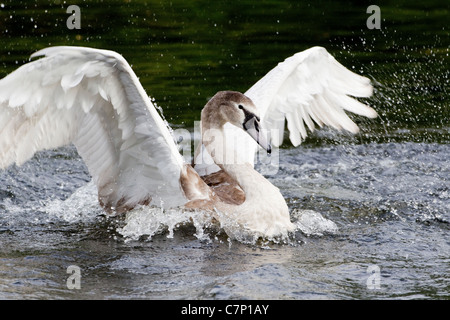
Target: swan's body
93 99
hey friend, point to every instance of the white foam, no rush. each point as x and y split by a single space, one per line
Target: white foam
151 221
146 221
313 223
81 206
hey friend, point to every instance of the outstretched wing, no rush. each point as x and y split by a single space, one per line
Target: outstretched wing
310 88
307 89
92 98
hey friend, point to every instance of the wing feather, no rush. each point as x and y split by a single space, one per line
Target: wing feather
93 99
310 88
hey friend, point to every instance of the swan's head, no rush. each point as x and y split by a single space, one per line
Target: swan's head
237 109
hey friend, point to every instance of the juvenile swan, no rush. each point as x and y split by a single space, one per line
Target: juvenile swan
93 99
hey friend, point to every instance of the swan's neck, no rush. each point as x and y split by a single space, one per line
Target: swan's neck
254 185
251 182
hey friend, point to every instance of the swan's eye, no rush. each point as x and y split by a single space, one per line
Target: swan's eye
240 106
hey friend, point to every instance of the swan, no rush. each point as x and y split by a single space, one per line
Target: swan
93 99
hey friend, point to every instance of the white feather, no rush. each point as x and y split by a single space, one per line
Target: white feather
310 88
93 99
311 85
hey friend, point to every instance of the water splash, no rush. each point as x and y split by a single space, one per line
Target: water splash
151 221
81 206
312 223
144 223
147 222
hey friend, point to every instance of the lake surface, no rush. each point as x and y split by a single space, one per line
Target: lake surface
372 210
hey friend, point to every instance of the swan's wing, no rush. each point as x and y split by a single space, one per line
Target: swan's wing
309 88
93 99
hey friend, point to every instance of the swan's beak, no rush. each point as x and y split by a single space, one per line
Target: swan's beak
253 128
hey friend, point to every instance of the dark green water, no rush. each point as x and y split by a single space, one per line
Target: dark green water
387 189
184 52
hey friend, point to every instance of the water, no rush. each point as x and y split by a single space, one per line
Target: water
375 201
